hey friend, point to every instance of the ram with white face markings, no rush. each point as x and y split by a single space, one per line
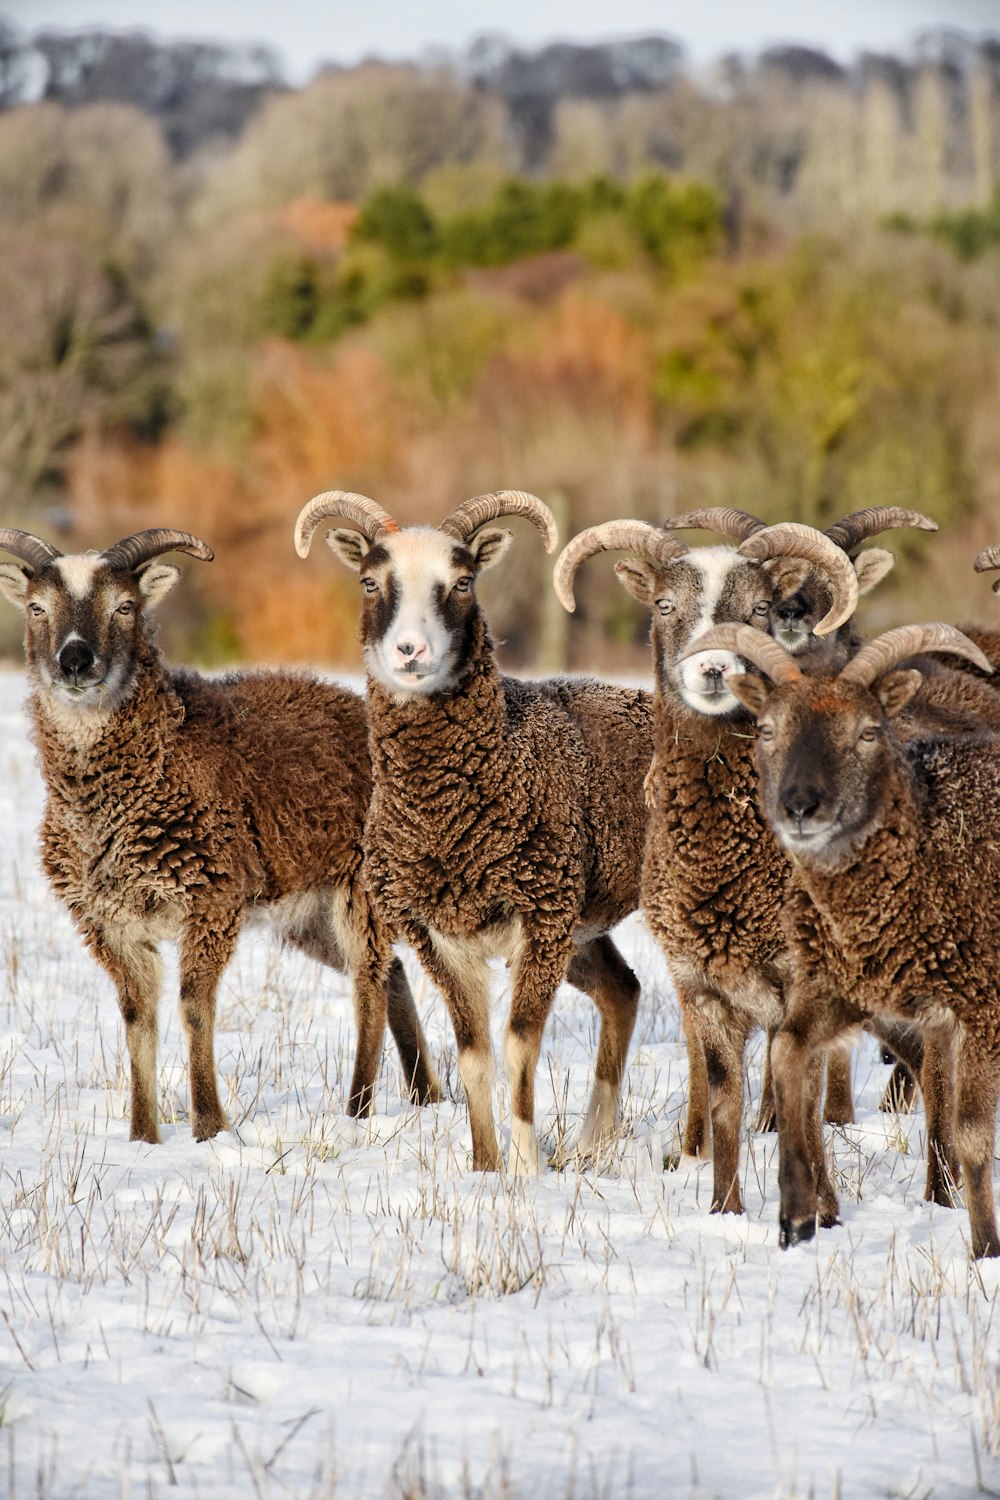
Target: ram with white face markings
713 875
507 817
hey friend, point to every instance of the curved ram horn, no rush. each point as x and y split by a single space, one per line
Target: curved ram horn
755 646
468 517
856 528
365 515
792 539
886 651
989 558
132 551
637 537
738 524
30 549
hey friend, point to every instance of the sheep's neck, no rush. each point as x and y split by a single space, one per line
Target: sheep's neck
124 745
424 749
876 891
683 738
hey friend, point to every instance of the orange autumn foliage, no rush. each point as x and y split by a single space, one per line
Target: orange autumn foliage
317 225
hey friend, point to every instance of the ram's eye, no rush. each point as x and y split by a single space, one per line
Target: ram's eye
127 607
36 610
463 584
765 732
762 609
665 606
369 585
868 736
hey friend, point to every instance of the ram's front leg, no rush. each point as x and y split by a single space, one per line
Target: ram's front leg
810 1025
538 971
458 971
133 962
205 950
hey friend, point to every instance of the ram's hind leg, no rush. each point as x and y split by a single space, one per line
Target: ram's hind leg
838 1107
600 971
722 1030
205 950
133 962
697 1127
414 1054
538 972
937 1084
346 936
767 1119
978 1087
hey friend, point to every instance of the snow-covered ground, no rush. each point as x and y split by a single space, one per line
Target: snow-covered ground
310 1307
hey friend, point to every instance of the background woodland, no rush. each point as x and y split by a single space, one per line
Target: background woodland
586 271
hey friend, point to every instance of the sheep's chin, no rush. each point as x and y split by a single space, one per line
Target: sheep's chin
412 682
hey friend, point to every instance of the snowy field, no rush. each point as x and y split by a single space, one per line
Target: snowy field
310 1307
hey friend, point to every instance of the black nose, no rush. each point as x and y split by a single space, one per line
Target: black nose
801 803
790 614
76 657
404 648
713 678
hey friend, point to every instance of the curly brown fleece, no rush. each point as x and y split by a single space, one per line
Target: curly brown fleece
200 801
713 882
909 925
507 802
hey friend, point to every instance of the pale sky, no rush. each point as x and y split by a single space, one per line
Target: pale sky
305 33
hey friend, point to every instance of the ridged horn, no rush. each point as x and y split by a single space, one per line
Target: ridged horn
367 516
132 551
755 646
989 558
468 517
638 537
30 549
856 528
885 651
726 519
792 539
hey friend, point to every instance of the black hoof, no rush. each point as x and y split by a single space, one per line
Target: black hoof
796 1232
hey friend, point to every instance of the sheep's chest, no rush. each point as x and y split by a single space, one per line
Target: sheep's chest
713 874
117 867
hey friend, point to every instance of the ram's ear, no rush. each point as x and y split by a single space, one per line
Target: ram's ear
14 583
349 545
896 689
639 578
156 581
489 546
751 690
871 567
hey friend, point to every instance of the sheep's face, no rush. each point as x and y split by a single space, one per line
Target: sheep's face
418 603
803 594
824 748
83 620
687 596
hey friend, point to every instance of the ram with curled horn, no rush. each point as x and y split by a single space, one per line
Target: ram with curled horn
713 876
178 806
986 637
893 898
802 593
950 698
494 829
